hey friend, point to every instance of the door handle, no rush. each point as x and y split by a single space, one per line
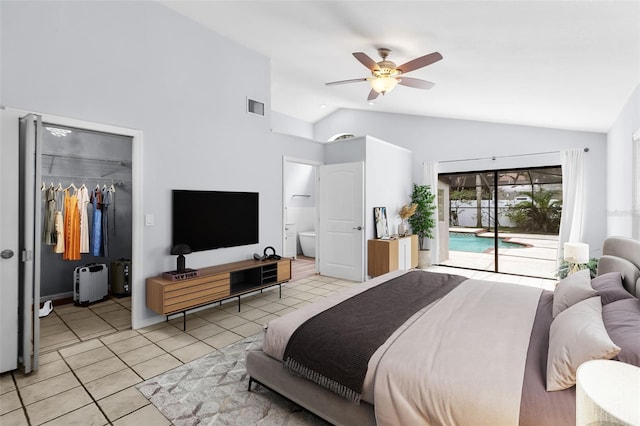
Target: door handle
6 254
359 228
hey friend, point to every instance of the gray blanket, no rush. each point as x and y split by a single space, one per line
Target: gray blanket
335 352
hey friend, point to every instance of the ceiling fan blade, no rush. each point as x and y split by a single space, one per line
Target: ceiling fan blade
420 62
372 95
353 80
366 60
415 82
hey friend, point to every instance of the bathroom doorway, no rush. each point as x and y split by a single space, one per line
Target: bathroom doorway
299 210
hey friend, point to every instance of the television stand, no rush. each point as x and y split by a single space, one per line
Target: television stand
215 284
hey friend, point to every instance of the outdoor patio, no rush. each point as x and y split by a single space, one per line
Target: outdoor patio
536 259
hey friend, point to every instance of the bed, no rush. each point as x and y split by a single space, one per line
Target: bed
414 347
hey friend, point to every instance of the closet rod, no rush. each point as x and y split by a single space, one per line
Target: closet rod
82 157
505 156
116 182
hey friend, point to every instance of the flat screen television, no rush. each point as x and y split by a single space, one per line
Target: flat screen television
206 220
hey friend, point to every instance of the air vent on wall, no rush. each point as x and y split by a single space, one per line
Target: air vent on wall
255 107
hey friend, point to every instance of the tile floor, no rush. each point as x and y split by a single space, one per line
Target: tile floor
91 360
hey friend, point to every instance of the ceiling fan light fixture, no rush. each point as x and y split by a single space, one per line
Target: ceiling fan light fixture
386 75
384 84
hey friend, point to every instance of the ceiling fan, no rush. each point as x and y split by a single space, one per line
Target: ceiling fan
386 74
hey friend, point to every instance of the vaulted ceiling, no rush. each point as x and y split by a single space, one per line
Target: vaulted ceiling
559 64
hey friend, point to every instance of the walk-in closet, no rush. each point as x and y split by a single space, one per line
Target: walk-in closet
85 221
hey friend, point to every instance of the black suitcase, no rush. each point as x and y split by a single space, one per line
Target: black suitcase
120 277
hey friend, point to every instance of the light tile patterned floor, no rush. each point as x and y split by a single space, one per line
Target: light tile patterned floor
90 358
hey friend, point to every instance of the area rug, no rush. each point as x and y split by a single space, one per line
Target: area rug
212 390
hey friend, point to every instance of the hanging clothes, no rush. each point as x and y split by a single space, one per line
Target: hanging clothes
49 236
83 202
106 200
96 224
112 208
71 226
59 220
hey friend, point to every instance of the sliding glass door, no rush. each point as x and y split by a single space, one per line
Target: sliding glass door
505 220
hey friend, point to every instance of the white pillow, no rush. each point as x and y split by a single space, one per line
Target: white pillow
571 290
577 335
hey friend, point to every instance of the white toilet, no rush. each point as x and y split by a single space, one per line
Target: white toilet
308 243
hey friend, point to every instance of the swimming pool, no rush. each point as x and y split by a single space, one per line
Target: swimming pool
459 241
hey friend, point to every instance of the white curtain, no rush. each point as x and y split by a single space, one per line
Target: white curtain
431 179
635 212
572 198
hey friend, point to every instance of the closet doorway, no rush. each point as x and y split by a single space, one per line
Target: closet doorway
25 168
92 169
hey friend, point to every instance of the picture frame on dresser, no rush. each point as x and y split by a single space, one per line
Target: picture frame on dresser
380 221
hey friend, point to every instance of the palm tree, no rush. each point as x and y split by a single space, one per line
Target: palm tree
540 215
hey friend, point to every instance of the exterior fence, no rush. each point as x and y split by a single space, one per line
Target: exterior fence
465 214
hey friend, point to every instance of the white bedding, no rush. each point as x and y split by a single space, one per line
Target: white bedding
449 360
278 331
467 359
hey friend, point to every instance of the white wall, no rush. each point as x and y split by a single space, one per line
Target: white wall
441 139
300 185
285 124
620 214
346 150
388 180
302 217
387 174
142 66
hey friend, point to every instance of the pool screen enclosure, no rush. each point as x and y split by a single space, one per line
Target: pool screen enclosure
524 204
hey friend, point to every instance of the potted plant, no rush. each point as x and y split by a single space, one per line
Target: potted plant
423 220
565 268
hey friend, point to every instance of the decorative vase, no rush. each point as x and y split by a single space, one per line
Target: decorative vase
403 228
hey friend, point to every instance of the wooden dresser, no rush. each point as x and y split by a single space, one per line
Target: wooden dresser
389 255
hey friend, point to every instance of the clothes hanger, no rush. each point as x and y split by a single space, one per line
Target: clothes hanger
59 187
112 188
71 186
43 187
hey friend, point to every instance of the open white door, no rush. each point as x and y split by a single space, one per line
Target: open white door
341 221
29 229
20 247
9 247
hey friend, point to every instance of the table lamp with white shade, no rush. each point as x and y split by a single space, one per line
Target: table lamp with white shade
576 254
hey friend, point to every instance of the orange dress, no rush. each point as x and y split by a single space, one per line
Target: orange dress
71 227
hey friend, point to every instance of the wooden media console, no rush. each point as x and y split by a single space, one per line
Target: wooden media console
215 284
